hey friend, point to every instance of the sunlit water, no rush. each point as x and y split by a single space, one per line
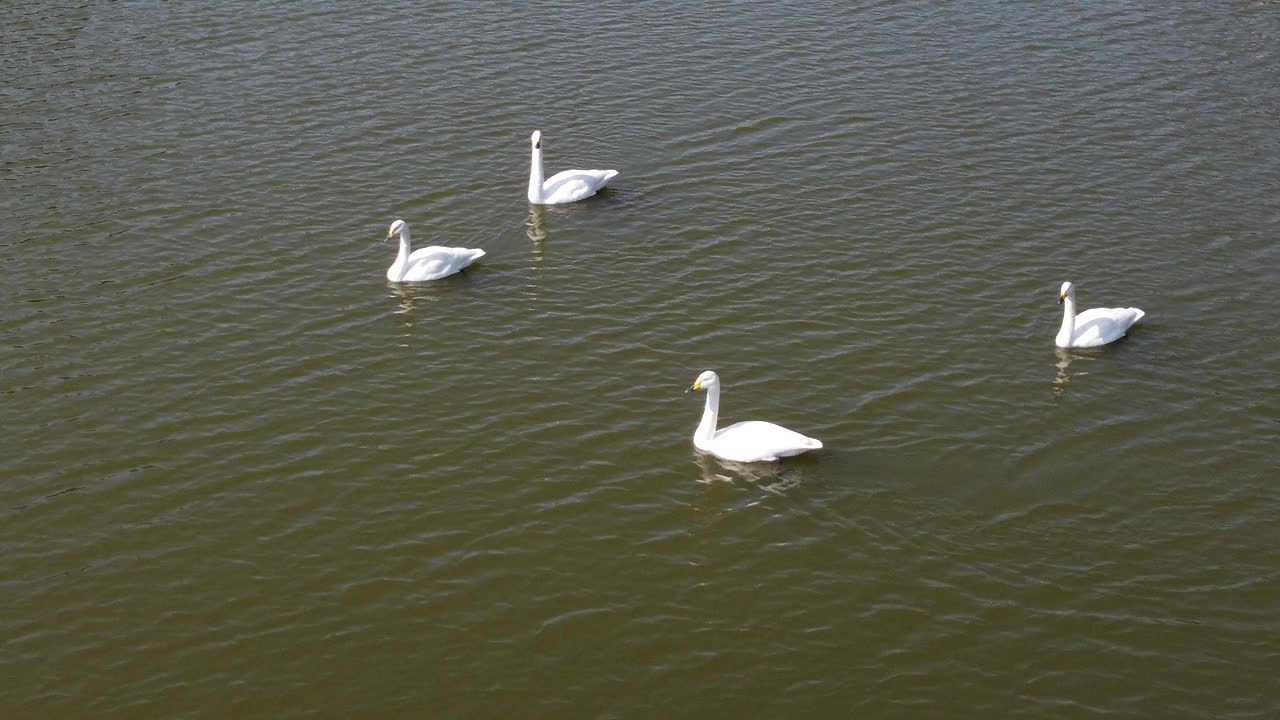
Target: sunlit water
245 477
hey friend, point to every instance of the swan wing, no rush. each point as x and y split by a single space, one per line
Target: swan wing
434 262
1099 326
573 185
756 440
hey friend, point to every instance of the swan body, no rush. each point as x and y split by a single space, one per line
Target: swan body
563 187
1094 327
749 441
428 263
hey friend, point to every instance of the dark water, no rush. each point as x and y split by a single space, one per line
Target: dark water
242 476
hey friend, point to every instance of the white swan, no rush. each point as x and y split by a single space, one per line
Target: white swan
1094 327
749 441
428 263
563 187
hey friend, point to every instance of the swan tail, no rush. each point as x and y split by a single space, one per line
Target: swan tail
803 446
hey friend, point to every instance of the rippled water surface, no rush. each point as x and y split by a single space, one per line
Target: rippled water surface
243 476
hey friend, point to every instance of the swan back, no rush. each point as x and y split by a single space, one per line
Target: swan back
573 185
757 440
1100 326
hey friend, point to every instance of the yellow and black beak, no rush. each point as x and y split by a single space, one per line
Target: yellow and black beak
697 385
1061 296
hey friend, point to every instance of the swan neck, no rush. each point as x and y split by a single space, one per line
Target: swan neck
710 414
535 176
1068 329
404 244
402 258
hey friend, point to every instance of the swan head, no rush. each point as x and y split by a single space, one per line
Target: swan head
706 380
536 139
395 228
1068 291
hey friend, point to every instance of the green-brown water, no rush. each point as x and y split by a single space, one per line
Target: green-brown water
244 477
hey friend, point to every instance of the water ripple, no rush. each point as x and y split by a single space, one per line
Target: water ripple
238 459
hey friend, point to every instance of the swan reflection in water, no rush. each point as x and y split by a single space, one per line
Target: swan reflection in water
409 295
729 487
1065 358
775 477
406 298
536 227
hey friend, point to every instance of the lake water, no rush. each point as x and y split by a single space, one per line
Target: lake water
245 477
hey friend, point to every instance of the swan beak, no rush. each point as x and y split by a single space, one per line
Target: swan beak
694 386
1061 297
